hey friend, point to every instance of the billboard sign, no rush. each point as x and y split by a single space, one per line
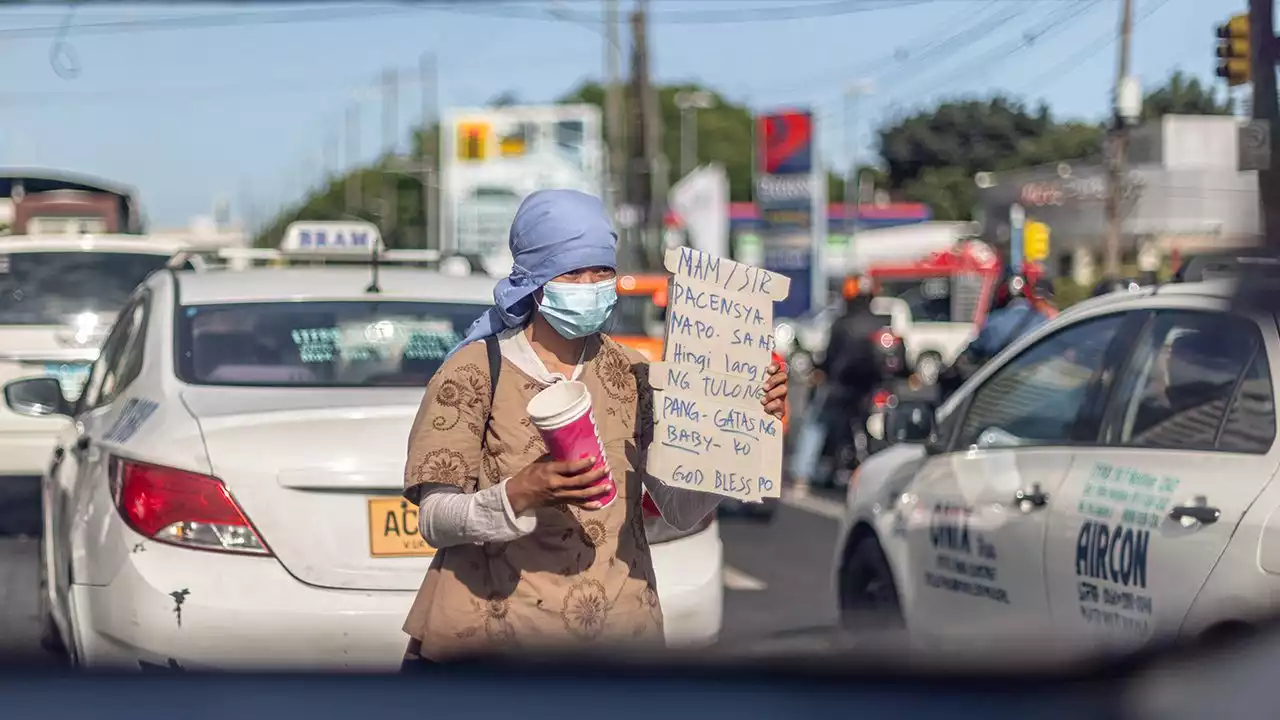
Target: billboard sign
493 158
788 188
785 143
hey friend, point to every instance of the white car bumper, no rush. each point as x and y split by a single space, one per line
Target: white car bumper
690 574
205 610
235 612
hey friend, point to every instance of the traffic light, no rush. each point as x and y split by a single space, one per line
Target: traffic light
1233 51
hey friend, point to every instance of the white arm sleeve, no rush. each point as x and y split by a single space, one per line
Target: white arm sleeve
681 509
448 517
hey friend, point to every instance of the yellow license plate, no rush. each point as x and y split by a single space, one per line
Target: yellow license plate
393 529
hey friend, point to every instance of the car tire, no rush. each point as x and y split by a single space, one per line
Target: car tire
868 595
929 368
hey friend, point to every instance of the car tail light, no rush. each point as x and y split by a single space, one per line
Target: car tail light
886 339
182 508
649 506
882 399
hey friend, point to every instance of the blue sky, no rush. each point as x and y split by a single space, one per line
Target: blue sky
252 110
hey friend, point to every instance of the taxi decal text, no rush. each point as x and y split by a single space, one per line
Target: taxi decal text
964 562
1120 508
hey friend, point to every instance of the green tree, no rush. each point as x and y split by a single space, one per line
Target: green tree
725 132
931 156
1184 94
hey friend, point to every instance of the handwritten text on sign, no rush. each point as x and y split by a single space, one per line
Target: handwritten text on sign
710 431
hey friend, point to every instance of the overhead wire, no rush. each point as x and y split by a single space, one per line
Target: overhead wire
930 45
1072 62
986 62
488 8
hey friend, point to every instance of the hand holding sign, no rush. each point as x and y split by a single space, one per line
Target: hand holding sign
711 429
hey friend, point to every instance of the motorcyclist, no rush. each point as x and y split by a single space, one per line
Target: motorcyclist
1023 303
848 375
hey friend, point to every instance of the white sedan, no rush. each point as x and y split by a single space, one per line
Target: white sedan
228 495
58 298
1104 481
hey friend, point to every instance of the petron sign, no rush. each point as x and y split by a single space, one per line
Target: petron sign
786 187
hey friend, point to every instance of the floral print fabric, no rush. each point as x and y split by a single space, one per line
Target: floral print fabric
580 576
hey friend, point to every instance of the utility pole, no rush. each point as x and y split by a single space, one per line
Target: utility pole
1263 50
390 121
851 198
650 175
354 201
639 180
689 102
1117 148
331 143
613 121
430 224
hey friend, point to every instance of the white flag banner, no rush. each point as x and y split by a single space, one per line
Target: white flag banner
701 200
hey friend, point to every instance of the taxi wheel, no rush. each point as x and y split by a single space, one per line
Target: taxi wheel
868 597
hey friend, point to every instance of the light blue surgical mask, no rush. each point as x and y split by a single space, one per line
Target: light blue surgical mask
578 309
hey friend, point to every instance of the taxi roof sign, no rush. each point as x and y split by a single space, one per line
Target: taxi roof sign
346 237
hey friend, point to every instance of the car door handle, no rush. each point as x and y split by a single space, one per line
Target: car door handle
1202 514
1033 500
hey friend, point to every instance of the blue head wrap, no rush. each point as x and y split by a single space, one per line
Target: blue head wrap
554 232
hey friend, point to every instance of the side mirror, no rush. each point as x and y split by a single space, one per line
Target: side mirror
36 397
911 422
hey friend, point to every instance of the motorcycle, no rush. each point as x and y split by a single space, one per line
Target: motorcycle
851 443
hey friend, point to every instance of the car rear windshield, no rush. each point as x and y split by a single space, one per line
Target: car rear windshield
51 288
318 344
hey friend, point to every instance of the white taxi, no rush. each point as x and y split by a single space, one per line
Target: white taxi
229 494
1104 481
58 298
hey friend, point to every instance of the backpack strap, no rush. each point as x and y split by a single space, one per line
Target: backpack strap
495 368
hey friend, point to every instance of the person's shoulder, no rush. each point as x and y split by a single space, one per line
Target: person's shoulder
633 357
470 359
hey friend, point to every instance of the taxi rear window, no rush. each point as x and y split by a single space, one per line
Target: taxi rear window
318 344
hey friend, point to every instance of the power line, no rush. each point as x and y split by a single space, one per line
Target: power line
1057 20
986 62
827 9
1071 63
901 56
278 86
195 22
486 8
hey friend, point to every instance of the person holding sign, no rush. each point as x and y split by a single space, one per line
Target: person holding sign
535 550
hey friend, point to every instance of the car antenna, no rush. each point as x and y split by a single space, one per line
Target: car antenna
374 288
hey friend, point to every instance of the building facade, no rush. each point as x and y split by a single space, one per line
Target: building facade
1182 194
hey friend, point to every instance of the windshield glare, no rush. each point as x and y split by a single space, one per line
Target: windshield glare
51 288
319 344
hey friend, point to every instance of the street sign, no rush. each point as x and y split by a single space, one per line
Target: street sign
1255 145
1035 241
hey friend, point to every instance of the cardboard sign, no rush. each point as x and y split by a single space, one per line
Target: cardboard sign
711 434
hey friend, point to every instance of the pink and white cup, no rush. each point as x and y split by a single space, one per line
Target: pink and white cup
562 414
